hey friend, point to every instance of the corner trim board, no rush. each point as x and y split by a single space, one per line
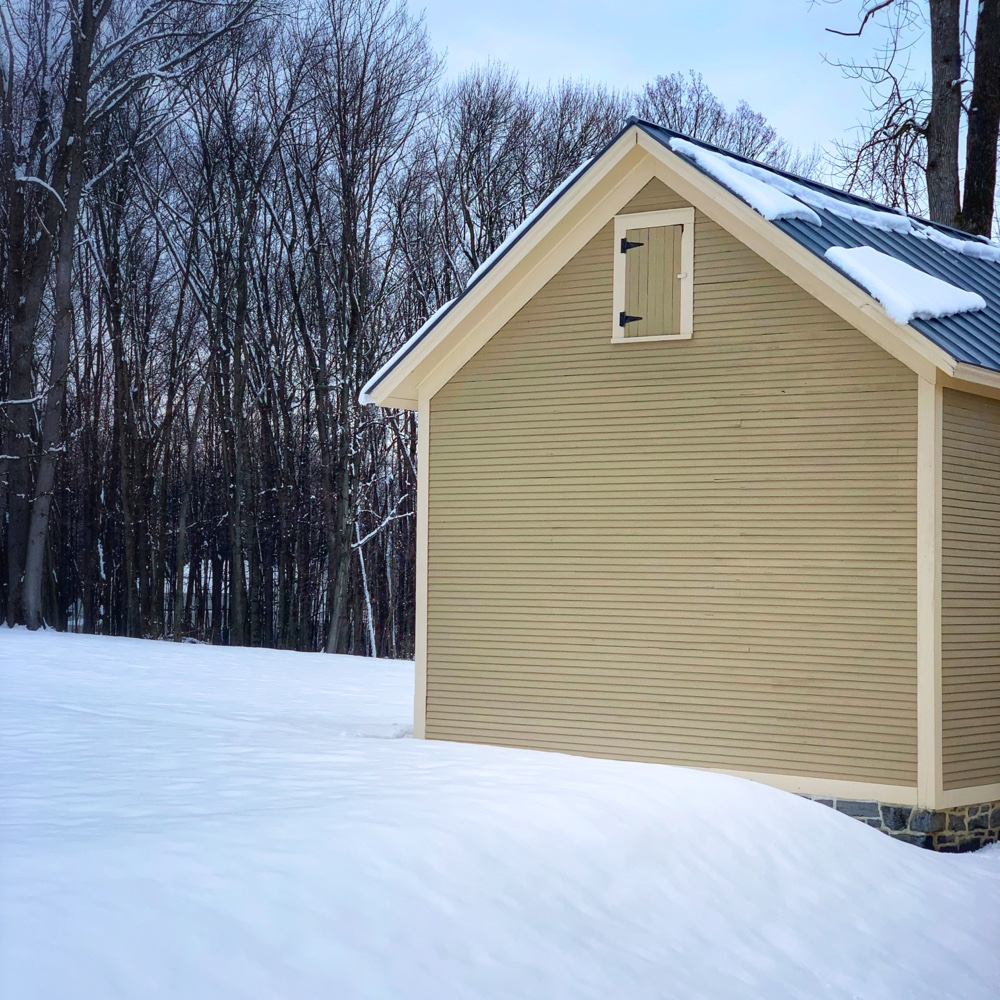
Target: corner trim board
930 780
420 630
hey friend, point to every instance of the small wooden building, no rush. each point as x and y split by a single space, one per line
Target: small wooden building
688 493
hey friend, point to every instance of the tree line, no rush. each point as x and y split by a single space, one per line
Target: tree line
219 219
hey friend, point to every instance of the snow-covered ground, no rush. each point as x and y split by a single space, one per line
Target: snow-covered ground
183 821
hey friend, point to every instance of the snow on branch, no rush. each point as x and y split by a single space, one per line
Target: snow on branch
22 402
174 66
385 523
23 178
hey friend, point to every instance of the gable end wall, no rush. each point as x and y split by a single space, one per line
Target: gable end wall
700 552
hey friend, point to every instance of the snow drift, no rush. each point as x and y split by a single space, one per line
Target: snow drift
186 821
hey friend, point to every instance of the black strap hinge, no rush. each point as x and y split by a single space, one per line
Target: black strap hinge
624 319
629 245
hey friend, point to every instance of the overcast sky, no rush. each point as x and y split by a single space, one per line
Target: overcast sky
769 52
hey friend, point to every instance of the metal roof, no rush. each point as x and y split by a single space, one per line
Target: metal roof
970 337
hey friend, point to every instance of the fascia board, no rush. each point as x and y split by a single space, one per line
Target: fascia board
970 378
542 251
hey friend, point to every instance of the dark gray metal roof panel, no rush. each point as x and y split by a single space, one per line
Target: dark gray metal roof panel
972 337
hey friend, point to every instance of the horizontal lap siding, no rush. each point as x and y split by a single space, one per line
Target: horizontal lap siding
700 552
970 612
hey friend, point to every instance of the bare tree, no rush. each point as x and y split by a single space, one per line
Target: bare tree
983 124
380 74
686 104
204 258
910 150
75 63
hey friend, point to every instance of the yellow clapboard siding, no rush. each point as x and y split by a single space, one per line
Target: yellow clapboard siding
670 684
663 750
657 711
622 725
700 552
970 606
775 736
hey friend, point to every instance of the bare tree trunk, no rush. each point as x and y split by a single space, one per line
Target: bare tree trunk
182 519
17 443
30 251
984 124
217 627
26 284
946 111
340 564
70 174
52 425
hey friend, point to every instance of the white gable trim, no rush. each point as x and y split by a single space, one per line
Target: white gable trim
601 191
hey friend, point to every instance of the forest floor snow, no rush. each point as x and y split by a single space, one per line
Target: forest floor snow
198 822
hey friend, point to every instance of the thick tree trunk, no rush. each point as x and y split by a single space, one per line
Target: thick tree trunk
19 418
62 330
27 271
984 125
68 178
26 285
946 111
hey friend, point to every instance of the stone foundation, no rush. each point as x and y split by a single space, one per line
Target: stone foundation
964 828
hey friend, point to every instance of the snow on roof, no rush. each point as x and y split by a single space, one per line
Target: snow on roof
906 292
889 222
867 215
757 191
977 247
